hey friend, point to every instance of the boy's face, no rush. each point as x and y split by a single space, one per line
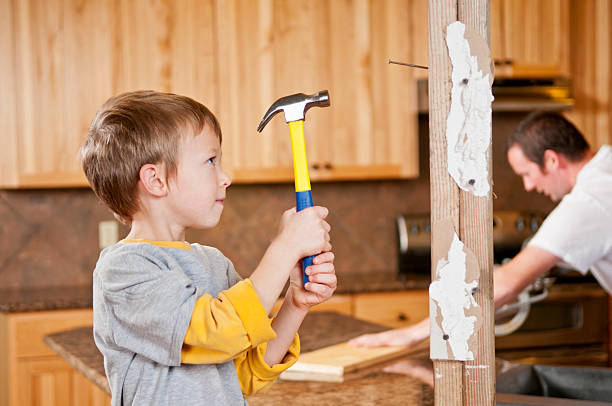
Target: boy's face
197 192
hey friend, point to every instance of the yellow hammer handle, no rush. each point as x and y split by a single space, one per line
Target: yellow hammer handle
298 146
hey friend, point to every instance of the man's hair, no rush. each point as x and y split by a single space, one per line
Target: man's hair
540 131
134 129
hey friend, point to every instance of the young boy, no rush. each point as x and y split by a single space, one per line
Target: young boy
174 321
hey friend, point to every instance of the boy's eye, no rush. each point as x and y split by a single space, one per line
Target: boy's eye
211 160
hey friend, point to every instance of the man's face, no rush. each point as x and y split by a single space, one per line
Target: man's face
548 180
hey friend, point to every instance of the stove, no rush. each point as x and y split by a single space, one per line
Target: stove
511 229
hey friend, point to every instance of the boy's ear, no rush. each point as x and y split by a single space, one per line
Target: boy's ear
153 180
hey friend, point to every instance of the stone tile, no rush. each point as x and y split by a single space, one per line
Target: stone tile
15 231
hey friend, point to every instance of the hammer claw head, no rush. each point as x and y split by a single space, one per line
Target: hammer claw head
295 106
275 108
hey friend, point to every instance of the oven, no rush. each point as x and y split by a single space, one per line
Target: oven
567 325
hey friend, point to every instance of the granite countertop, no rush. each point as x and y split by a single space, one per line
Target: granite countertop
39 299
319 329
369 386
80 297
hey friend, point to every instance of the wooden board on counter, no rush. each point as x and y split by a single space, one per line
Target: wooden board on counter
326 356
330 364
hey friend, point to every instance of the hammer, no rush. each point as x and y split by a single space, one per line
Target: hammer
295 107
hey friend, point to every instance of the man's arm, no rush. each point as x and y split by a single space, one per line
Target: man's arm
509 280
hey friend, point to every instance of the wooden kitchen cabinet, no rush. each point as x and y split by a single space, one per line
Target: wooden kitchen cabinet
393 309
591 23
63 58
272 49
530 38
57 70
32 374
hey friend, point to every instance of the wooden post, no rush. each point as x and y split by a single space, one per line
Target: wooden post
460 382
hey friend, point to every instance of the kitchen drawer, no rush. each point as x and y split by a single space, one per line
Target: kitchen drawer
31 327
393 309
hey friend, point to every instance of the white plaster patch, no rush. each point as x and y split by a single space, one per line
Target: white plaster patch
468 125
451 295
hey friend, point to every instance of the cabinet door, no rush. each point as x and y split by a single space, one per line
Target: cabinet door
32 374
51 381
393 309
268 50
62 67
68 56
591 23
530 37
168 46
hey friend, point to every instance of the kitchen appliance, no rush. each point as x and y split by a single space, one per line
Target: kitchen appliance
510 230
518 94
567 326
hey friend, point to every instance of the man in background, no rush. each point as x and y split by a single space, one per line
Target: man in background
552 157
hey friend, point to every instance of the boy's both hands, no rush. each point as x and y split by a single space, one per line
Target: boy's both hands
306 233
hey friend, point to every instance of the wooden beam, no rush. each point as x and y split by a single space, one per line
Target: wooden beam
460 382
476 232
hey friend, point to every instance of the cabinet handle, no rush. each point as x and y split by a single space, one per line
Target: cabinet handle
315 166
402 317
327 165
503 62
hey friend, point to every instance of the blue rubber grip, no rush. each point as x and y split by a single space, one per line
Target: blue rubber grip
303 200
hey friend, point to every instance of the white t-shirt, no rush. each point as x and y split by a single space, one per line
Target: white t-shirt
579 229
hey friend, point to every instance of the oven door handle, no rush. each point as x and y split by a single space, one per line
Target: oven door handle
529 300
402 234
519 318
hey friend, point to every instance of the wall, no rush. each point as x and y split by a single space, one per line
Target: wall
50 237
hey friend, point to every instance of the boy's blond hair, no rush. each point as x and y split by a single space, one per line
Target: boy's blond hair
134 129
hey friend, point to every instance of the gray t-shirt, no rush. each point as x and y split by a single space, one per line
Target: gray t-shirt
143 300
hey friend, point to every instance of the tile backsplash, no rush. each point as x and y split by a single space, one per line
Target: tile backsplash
50 237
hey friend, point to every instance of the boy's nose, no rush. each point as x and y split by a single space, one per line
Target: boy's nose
225 180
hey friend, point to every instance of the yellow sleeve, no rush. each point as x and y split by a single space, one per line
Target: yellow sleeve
223 328
255 375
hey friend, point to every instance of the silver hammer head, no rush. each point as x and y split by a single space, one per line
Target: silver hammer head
295 106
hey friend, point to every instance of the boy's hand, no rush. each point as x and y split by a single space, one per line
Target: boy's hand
306 232
322 284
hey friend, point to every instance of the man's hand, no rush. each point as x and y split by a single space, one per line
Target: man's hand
419 369
409 336
322 282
